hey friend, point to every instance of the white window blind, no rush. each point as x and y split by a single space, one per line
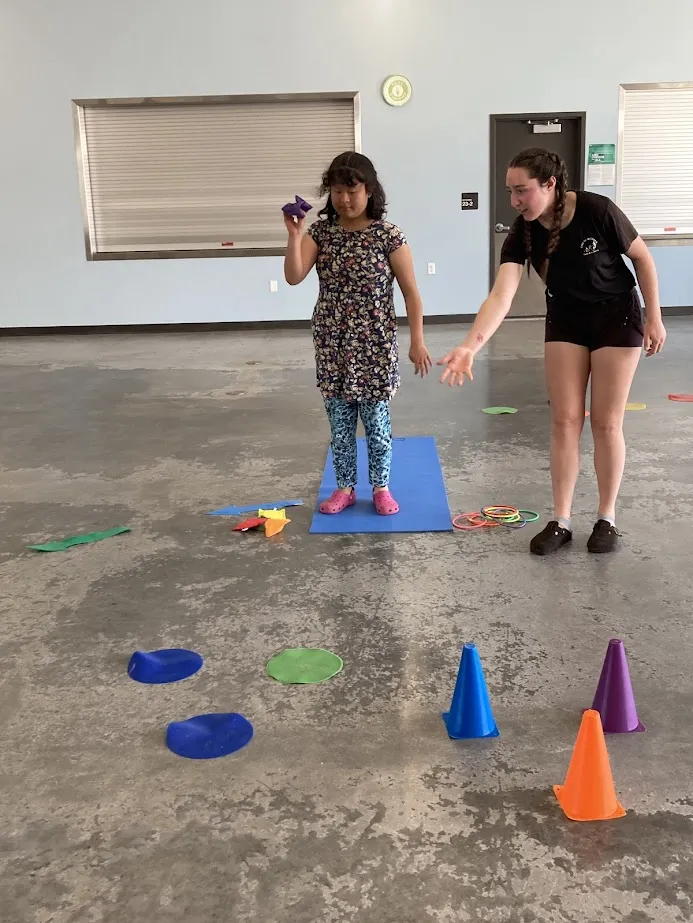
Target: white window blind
200 175
655 175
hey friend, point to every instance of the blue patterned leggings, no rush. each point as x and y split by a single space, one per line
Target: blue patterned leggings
375 416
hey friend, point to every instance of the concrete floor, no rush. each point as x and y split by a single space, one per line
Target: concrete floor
351 804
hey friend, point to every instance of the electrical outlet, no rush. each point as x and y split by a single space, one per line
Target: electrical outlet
273 285
431 269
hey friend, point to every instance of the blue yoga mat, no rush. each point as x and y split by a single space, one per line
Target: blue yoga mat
416 482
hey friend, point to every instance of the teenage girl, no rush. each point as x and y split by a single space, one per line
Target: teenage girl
358 255
594 326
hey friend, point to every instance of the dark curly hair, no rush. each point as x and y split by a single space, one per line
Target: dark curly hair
541 165
348 169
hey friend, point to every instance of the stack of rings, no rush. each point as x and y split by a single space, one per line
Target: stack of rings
491 516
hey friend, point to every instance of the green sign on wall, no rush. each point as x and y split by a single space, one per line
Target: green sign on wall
602 153
601 165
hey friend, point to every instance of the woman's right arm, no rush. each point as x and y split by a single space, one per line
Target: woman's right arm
301 252
495 309
488 320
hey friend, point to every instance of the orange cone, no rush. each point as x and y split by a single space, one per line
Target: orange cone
588 792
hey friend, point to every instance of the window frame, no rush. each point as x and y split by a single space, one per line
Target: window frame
673 239
78 106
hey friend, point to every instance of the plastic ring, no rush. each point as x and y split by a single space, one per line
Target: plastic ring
518 523
490 517
499 512
534 516
474 521
466 528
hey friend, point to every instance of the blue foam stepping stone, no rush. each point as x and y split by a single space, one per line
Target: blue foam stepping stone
167 666
206 737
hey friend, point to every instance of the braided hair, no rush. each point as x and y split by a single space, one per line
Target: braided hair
541 165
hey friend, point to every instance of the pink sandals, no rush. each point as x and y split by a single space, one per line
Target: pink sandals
340 500
385 504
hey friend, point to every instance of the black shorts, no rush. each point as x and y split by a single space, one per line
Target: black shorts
614 322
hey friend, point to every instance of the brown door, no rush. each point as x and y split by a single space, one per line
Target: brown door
509 135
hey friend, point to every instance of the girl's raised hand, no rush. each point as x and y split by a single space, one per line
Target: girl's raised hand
293 225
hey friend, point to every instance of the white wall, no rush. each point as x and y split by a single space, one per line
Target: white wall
465 60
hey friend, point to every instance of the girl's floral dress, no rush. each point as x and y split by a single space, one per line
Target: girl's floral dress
354 323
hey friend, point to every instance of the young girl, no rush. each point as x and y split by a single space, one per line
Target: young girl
575 241
358 254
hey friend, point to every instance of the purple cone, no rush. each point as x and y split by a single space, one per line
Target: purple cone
614 699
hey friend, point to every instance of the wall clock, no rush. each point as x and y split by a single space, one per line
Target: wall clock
396 90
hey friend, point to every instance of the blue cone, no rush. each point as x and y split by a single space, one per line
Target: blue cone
166 666
470 712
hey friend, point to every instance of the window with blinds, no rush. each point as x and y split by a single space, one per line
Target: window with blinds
203 176
654 184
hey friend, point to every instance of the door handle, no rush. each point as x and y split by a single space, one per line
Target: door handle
501 228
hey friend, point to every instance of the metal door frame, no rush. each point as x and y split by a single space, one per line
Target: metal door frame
578 181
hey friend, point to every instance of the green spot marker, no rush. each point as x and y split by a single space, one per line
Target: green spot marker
496 410
304 665
66 543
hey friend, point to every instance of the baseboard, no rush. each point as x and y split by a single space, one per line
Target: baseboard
680 311
241 326
211 327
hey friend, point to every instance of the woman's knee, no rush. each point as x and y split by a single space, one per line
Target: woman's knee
606 426
567 422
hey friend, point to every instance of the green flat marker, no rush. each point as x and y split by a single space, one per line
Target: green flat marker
496 410
304 665
66 543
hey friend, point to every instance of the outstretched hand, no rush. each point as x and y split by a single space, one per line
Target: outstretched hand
459 363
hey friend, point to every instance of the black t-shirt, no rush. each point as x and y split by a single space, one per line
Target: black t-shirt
587 265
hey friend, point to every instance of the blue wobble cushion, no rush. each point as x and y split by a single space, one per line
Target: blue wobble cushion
167 666
206 737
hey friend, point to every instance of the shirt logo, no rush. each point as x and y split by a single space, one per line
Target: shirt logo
589 246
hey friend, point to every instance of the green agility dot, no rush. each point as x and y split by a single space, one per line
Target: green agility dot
66 543
304 665
496 410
